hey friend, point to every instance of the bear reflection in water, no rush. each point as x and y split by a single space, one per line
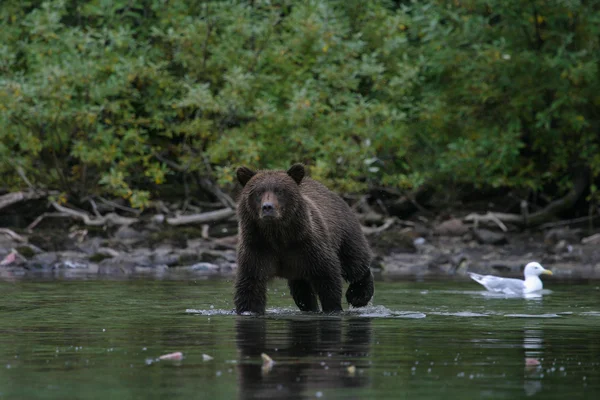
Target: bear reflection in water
310 356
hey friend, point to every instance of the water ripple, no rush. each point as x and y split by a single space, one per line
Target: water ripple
591 313
532 315
460 314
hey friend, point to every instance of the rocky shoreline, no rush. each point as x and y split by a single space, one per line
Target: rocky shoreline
410 250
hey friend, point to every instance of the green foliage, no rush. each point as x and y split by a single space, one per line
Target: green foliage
117 97
514 93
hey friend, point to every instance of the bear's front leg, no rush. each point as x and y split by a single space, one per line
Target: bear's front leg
303 295
250 294
251 282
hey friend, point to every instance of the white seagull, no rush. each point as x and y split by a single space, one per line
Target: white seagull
532 282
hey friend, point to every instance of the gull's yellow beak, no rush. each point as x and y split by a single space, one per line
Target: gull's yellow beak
547 272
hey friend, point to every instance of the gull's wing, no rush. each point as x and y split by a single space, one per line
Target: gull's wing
498 284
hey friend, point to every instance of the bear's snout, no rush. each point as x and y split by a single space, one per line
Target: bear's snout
269 205
268 208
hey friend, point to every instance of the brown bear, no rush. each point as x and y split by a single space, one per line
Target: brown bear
293 227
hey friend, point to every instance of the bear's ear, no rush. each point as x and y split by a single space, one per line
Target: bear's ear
296 171
244 174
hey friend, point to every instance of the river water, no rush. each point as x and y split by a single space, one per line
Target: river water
101 339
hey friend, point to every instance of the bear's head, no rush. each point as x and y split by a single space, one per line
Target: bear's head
271 196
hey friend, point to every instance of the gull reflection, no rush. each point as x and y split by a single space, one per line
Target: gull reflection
533 344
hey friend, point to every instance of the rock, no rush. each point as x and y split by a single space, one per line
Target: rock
169 259
9 259
594 239
165 254
562 247
485 236
451 227
226 243
406 264
43 260
103 253
91 245
211 256
159 269
62 259
52 240
107 251
554 236
229 255
163 248
419 241
158 218
188 257
7 243
70 264
28 251
204 266
140 257
128 233
228 267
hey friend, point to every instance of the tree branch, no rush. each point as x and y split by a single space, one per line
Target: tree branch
202 218
538 217
15 197
98 221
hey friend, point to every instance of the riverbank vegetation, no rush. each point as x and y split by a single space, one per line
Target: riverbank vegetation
131 105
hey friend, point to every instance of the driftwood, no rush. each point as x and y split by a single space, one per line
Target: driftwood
594 239
94 221
539 217
115 219
496 218
386 225
15 197
13 235
213 189
202 218
565 222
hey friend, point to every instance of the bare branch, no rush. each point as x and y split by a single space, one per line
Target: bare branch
496 218
13 235
538 217
202 218
119 206
41 217
98 221
386 225
24 177
213 189
15 197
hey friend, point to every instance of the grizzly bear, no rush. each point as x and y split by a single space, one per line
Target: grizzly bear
293 227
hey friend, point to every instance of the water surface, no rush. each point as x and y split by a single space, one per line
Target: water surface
100 339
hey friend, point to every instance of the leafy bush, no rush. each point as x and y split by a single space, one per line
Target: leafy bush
119 97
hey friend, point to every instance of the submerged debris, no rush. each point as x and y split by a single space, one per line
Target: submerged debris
172 356
267 363
351 370
10 258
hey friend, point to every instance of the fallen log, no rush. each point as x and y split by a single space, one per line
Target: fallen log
12 235
15 197
202 218
94 221
386 225
539 217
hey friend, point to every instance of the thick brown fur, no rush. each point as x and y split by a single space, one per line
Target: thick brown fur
293 227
